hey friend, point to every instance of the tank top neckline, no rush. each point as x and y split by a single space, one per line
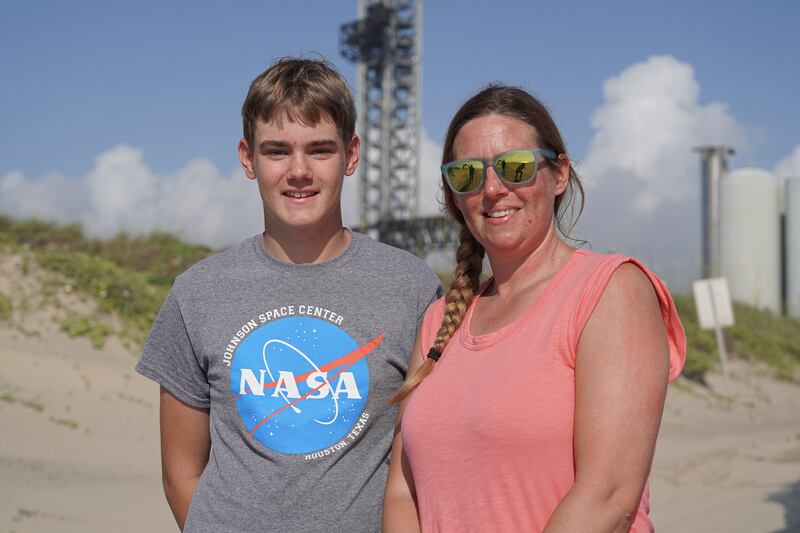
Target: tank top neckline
480 342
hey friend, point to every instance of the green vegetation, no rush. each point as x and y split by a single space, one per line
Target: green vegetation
116 289
757 335
71 424
33 404
83 326
701 346
126 275
762 336
158 256
5 307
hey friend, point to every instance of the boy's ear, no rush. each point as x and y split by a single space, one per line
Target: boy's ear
246 159
351 155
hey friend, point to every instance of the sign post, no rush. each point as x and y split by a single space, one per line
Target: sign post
714 311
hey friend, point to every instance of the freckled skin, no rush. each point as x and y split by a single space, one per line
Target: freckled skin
523 231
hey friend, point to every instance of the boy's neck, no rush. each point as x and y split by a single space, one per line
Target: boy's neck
304 247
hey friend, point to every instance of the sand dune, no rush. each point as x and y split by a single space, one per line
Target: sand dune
79 445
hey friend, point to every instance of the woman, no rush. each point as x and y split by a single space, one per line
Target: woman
538 403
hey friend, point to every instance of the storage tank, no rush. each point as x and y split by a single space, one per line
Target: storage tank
750 237
792 195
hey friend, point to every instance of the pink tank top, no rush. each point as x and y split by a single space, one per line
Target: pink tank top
488 433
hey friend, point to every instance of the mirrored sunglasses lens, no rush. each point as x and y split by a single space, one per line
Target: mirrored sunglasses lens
516 167
465 176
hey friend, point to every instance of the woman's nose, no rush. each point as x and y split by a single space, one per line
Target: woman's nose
492 184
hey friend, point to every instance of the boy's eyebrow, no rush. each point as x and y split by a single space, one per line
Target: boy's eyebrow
322 142
268 143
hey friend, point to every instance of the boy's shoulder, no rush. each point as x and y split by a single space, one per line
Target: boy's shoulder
224 264
389 257
238 262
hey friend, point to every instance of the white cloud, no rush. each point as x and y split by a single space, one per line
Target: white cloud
122 194
53 197
641 173
789 166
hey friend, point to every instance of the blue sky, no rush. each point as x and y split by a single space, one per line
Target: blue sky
165 80
169 77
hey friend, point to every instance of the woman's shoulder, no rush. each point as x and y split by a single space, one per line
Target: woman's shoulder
601 268
592 259
624 282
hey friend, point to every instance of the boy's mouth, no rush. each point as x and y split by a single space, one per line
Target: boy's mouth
299 194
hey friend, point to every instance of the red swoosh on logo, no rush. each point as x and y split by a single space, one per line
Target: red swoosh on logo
345 361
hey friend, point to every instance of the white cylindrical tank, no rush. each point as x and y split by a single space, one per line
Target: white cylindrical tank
792 195
750 237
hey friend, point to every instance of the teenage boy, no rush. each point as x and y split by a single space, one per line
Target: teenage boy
277 357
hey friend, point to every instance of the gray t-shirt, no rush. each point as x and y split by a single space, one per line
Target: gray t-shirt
296 364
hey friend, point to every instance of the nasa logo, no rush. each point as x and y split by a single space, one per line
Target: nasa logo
300 384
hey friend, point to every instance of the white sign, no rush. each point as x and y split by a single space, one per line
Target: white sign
713 301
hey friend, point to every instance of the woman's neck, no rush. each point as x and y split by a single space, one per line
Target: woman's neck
511 276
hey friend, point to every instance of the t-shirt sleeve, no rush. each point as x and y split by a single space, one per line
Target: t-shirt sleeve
676 337
430 325
170 360
432 291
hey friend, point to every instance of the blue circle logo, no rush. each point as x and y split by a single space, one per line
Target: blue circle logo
300 384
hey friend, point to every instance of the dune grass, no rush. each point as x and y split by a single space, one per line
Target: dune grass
756 335
129 276
158 256
6 307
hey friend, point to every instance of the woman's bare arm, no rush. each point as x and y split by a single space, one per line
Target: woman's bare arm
399 499
621 379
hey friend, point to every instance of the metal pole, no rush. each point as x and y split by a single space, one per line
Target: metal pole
723 353
713 164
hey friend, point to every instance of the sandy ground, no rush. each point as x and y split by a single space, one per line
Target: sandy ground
79 444
729 465
79 439
78 449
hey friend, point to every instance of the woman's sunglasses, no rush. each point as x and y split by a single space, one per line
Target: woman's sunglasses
515 167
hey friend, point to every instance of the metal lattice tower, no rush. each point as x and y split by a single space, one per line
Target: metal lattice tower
385 43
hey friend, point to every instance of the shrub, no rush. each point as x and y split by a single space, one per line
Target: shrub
84 326
756 335
127 293
6 307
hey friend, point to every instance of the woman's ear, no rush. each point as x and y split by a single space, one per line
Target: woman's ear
561 173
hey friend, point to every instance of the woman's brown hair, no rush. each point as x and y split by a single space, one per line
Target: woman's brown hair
505 100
